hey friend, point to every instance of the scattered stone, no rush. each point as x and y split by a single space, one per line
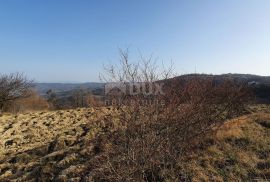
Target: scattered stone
9 143
264 123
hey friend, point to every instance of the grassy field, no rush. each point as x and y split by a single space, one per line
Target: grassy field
56 146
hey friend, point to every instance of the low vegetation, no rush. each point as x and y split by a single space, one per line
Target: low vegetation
67 145
13 87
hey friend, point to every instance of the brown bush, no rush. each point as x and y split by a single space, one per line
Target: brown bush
155 138
83 98
12 87
33 102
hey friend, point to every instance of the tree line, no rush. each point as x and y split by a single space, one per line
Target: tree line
17 94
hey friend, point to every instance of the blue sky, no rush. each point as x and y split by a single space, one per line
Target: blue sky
68 40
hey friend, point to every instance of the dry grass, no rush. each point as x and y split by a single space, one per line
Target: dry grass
41 144
240 151
56 146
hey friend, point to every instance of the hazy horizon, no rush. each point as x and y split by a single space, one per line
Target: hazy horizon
67 41
100 81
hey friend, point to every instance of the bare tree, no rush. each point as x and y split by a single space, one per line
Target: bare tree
32 103
143 70
12 87
80 98
152 140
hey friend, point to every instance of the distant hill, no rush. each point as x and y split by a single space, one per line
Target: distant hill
66 88
259 84
245 78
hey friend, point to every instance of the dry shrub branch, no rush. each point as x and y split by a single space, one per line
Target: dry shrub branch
13 86
154 139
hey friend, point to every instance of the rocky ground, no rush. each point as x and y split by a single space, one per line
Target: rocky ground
55 146
48 145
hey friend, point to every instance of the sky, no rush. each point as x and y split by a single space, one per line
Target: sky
70 40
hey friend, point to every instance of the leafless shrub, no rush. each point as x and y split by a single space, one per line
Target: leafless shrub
83 98
144 70
12 87
32 103
154 139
